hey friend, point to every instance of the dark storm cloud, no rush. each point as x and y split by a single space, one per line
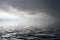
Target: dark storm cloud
51 7
2 2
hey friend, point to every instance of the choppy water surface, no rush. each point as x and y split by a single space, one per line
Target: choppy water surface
28 35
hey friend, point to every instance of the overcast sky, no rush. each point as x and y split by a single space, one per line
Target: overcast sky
36 12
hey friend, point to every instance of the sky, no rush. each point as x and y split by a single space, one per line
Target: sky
7 18
32 12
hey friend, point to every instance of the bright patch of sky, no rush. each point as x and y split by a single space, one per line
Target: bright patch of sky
9 18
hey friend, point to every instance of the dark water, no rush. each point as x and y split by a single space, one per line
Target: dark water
47 33
28 35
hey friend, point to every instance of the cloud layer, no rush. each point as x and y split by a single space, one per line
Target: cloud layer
35 11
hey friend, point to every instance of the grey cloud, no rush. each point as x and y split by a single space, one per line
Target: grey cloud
50 7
